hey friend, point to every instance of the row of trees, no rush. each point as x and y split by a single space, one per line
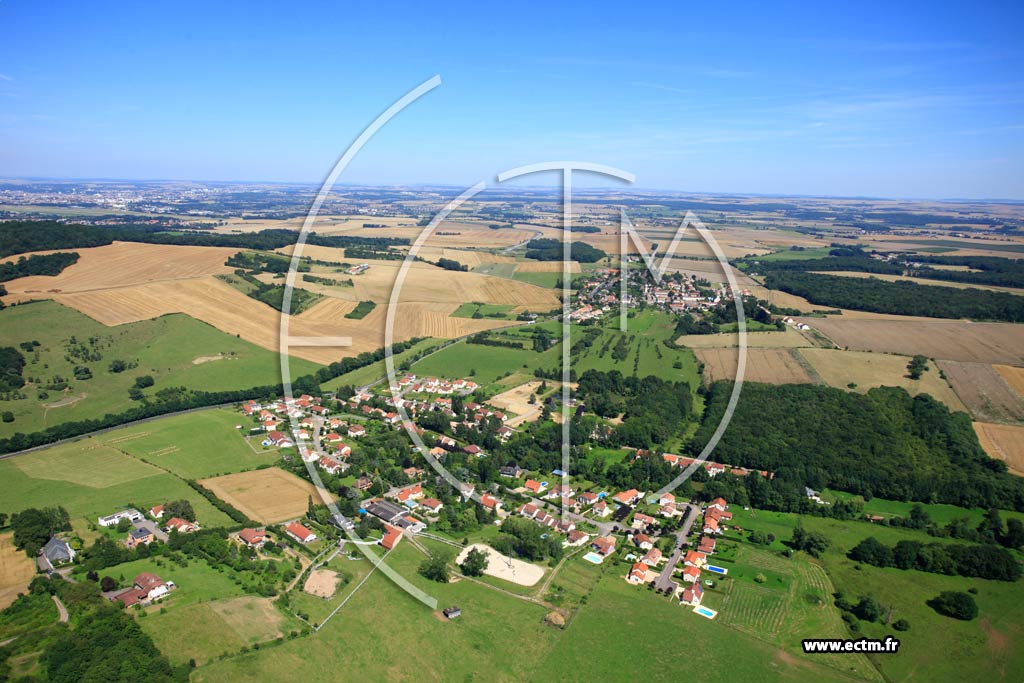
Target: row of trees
981 561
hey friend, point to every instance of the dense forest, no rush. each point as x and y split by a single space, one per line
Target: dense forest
547 249
37 264
884 443
901 297
12 364
981 561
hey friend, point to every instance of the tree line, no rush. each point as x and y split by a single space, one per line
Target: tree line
37 264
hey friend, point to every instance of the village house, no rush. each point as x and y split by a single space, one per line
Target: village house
140 536
512 471
182 526
363 483
146 587
392 535
535 487
719 504
637 573
131 514
300 533
642 521
601 509
410 494
280 439
356 431
643 541
587 498
490 503
432 505
695 558
706 545
55 553
330 465
693 595
604 546
630 497
253 538
668 510
652 558
575 538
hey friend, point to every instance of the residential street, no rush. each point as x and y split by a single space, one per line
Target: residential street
665 577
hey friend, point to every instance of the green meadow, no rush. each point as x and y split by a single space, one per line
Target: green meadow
92 478
176 350
375 371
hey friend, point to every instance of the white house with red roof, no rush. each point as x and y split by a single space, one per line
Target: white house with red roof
535 487
637 574
300 533
356 431
691 574
604 545
629 497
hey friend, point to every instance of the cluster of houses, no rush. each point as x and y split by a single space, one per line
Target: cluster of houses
712 468
795 323
144 531
358 270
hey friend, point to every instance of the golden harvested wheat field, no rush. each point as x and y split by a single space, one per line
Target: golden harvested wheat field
1012 376
270 495
785 339
467 257
771 366
124 264
147 281
1004 442
952 340
16 570
866 370
988 396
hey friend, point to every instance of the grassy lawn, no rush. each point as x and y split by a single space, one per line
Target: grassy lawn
195 446
375 371
90 478
383 634
981 645
941 514
175 350
350 573
796 255
497 311
483 364
622 627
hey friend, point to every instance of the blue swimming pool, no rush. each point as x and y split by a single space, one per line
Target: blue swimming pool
717 570
705 612
593 558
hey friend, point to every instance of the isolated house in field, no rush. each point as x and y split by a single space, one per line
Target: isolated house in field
452 612
55 553
254 538
300 533
146 587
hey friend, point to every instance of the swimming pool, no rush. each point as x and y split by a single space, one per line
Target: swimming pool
705 612
593 558
717 570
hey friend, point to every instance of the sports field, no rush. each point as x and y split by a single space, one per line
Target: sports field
269 495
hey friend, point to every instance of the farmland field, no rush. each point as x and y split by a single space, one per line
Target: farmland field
175 350
93 477
269 495
772 366
16 570
785 339
984 391
196 445
962 341
1013 376
1005 442
866 370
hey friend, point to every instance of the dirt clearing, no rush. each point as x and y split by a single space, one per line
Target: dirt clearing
322 583
507 568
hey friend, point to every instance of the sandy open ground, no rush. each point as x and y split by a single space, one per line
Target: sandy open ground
321 583
16 570
952 340
270 495
504 567
1005 442
517 400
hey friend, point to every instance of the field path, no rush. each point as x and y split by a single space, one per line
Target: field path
62 611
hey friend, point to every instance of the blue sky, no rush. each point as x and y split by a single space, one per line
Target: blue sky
925 100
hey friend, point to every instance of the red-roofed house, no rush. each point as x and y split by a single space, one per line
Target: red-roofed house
706 545
534 486
640 520
254 538
490 502
414 492
431 505
356 431
643 541
637 574
182 526
392 536
695 558
691 574
718 503
300 533
692 596
605 545
156 512
627 497
711 526
652 558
